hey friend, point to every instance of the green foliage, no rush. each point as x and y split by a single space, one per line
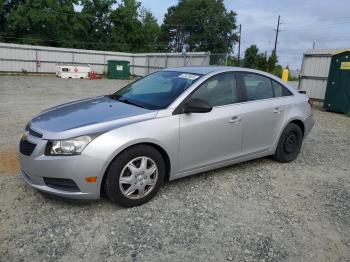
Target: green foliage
39 19
271 62
250 56
199 25
97 26
119 25
255 60
202 25
277 71
150 31
93 25
293 78
2 15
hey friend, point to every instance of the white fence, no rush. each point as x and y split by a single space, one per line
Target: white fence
16 58
314 72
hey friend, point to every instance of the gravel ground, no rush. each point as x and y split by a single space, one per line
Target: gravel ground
255 211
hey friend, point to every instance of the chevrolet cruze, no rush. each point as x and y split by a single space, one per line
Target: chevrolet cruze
170 124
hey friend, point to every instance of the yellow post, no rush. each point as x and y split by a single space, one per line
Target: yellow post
285 75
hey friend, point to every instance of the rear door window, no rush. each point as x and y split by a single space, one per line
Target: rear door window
257 87
280 90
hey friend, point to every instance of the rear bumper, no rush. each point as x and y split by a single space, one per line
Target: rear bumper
308 124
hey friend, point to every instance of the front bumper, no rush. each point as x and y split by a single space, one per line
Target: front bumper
37 169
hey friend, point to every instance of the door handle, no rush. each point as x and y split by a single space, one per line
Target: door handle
277 110
235 120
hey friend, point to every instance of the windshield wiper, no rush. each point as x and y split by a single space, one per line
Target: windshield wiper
126 101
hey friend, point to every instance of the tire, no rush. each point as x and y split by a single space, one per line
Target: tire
131 172
289 144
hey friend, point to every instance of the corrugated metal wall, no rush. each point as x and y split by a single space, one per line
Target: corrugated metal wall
314 72
41 59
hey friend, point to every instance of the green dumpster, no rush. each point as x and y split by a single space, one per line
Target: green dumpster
118 69
337 96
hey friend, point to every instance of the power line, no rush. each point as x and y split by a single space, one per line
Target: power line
246 43
70 42
96 43
44 10
319 25
317 22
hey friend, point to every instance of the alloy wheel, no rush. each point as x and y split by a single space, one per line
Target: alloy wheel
290 143
138 177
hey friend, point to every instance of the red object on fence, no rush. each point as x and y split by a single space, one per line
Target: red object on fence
93 76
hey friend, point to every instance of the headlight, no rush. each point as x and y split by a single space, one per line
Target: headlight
73 146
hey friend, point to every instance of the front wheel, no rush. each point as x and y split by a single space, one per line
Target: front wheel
135 176
289 144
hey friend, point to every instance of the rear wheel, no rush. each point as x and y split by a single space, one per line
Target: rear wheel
135 176
289 144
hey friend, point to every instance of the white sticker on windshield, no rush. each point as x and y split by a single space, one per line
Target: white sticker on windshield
188 76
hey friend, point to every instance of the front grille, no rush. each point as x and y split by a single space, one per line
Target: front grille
26 147
61 184
33 133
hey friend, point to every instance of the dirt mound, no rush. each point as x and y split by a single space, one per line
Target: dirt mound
9 162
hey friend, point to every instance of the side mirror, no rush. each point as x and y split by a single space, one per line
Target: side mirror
197 106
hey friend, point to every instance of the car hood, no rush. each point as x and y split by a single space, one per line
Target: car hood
86 116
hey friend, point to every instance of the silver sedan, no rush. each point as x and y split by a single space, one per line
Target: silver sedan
170 124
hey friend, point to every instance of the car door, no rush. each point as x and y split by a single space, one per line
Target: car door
262 114
208 138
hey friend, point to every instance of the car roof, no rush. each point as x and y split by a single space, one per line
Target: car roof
203 70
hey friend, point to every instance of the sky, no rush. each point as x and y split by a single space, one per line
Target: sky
325 22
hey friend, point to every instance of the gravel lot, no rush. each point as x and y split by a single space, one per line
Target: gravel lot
256 211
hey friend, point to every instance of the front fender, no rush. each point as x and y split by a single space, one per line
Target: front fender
108 145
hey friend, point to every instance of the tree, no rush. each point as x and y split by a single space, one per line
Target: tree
45 22
271 62
254 59
261 62
150 31
199 25
2 16
250 56
93 24
134 28
126 26
6 7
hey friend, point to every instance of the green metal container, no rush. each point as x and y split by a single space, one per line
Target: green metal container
337 96
117 69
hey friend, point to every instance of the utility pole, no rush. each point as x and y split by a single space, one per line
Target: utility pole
277 31
239 45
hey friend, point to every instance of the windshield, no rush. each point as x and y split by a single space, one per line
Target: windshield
156 91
